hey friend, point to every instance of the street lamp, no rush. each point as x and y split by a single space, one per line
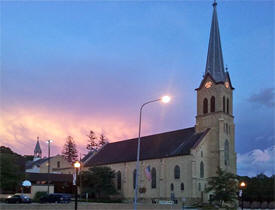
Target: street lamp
76 166
242 186
49 162
164 99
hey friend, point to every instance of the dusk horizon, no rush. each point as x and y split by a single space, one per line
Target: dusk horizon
71 67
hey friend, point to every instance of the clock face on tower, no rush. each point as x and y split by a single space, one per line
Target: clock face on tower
208 84
226 84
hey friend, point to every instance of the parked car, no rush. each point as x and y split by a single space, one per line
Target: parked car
18 199
56 198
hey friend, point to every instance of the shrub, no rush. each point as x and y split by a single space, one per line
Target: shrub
38 195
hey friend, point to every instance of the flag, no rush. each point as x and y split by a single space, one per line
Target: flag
148 173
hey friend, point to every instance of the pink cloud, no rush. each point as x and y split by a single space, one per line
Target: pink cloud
19 128
257 161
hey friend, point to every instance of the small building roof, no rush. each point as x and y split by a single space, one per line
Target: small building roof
33 177
30 164
162 145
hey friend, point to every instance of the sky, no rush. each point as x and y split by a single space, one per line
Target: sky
68 67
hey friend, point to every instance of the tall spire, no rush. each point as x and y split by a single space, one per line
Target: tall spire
214 63
37 150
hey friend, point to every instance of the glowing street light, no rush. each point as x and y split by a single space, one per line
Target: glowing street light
164 99
242 186
76 166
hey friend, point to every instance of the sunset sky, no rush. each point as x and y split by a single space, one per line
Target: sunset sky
71 66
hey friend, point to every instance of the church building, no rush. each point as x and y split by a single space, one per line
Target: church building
178 163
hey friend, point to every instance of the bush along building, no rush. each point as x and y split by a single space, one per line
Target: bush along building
178 163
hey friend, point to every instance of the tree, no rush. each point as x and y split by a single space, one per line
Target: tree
98 181
102 140
224 187
69 150
92 145
12 168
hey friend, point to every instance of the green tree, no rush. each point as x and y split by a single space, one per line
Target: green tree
69 150
98 181
224 187
12 168
92 144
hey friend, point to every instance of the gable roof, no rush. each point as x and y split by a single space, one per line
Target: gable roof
161 145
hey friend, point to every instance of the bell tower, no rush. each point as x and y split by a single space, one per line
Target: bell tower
214 105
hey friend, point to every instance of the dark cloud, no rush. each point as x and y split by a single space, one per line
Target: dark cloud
265 97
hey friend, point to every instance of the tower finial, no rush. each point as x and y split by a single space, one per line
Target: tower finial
215 3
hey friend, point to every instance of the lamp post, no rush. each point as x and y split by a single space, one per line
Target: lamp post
242 186
49 162
76 166
164 99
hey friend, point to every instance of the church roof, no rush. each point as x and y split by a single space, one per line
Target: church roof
214 63
162 145
37 148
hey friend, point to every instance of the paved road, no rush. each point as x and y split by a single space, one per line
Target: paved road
86 206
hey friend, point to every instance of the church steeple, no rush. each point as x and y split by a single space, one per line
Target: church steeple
37 150
214 63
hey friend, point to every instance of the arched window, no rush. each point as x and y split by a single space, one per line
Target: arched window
154 178
205 106
172 187
201 153
181 186
177 172
212 107
223 104
118 180
201 170
227 107
199 186
226 152
134 178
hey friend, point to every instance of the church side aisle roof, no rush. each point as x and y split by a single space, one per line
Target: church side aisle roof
161 145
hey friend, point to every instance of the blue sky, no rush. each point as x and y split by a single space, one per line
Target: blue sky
68 67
